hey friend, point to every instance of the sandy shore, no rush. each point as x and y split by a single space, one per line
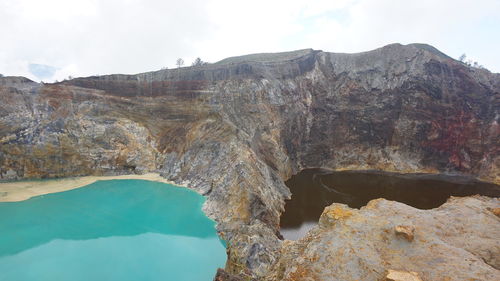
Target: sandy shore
22 190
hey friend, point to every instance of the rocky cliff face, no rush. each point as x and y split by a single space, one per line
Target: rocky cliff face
236 129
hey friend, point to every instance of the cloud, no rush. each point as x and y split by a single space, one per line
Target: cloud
102 37
88 37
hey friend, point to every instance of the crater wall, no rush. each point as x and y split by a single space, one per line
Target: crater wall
237 129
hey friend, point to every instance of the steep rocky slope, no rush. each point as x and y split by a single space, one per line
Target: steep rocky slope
236 129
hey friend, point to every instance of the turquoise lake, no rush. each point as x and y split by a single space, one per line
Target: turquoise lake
110 230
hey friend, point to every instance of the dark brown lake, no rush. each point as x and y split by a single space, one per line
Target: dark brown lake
314 189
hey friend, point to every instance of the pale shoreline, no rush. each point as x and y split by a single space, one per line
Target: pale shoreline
23 190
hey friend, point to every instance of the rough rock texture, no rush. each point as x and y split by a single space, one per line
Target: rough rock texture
236 129
457 241
405 231
394 275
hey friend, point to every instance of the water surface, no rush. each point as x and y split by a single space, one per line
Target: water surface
314 189
110 230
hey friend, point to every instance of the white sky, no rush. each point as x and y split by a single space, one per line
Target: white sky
88 37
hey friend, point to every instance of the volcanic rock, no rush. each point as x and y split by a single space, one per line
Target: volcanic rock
405 231
458 241
236 130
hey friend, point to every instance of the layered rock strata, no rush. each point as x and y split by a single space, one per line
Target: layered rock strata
236 129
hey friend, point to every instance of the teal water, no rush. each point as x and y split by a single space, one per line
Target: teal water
110 230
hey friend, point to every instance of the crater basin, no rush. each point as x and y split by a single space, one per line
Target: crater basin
314 189
110 230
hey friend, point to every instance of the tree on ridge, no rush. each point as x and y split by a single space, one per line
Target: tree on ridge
179 62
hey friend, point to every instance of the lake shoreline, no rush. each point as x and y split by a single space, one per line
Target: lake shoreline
23 190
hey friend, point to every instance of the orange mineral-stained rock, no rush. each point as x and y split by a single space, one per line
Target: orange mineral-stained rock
495 211
405 231
334 213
